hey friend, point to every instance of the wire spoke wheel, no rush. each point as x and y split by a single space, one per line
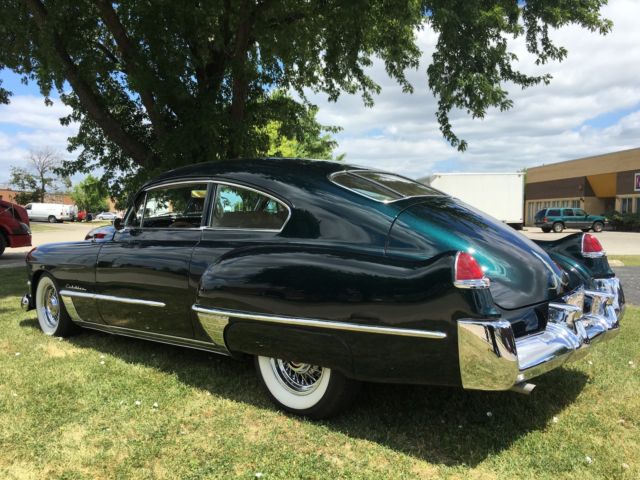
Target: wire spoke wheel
298 378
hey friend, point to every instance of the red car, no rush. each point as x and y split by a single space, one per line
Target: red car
14 226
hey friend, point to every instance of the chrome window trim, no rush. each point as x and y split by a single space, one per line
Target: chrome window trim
111 298
253 189
386 202
325 324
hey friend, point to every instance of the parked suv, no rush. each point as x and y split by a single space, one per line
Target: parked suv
557 219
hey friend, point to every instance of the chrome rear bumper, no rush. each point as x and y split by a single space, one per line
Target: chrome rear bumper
491 358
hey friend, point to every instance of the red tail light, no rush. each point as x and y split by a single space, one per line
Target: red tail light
468 273
545 220
591 247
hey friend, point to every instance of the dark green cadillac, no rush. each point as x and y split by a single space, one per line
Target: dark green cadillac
327 275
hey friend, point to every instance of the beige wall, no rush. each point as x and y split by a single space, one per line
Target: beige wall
597 165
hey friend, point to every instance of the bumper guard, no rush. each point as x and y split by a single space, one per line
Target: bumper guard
491 358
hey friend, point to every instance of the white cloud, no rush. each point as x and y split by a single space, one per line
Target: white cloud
600 76
28 124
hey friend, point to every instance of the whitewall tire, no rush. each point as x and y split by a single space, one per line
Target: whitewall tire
52 316
304 389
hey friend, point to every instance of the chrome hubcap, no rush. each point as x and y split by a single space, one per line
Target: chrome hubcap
50 306
298 378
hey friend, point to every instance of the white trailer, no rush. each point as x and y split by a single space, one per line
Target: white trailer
501 195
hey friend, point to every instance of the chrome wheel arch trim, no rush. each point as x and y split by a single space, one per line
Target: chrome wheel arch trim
314 323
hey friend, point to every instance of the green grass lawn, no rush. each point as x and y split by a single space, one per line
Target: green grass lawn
68 409
628 260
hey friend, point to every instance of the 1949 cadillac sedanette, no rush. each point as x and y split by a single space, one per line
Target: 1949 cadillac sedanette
328 275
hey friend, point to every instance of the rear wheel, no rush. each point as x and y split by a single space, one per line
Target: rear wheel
585 229
52 219
558 227
3 243
308 390
598 226
546 230
52 316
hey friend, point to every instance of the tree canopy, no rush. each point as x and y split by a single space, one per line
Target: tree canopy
90 195
158 84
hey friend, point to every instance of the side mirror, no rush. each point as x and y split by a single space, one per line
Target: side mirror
117 223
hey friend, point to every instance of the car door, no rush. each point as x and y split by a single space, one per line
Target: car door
242 218
582 219
142 275
569 218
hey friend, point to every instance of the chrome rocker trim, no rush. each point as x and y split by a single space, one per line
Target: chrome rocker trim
491 358
156 337
222 315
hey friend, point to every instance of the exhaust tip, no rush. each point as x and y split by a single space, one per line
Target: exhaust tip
523 387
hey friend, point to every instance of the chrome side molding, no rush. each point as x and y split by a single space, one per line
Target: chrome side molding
219 316
111 298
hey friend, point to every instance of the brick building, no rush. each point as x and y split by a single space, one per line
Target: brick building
597 184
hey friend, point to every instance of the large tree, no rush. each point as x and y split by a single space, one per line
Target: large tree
156 84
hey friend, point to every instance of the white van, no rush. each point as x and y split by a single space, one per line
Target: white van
50 212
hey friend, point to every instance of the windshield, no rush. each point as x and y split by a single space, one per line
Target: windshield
383 187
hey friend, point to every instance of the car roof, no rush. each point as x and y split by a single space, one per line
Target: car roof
275 169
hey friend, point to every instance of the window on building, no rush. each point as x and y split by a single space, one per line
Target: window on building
638 205
625 205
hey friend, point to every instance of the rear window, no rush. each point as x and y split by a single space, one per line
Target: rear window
384 187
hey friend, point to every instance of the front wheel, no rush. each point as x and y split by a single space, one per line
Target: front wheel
598 226
546 230
52 316
304 389
558 227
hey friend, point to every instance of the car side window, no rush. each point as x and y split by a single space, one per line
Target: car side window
553 213
174 206
243 208
134 217
581 213
568 212
28 206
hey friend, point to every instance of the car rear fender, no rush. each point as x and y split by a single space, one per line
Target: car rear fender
336 308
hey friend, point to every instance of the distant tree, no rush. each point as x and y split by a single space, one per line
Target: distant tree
40 176
26 184
90 195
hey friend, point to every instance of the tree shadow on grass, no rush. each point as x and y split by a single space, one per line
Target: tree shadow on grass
440 425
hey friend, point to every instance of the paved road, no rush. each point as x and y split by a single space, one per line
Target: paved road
615 243
630 278
46 233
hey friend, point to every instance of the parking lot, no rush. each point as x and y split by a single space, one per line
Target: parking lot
47 233
614 243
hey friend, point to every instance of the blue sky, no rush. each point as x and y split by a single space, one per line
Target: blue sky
592 106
